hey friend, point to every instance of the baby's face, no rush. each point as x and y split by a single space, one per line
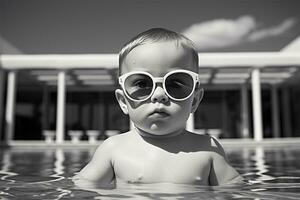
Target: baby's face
158 59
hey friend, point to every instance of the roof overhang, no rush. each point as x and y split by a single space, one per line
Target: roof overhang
110 61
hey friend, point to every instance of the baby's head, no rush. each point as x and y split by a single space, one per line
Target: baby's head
159 35
160 84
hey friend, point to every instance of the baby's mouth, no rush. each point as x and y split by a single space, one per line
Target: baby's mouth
159 114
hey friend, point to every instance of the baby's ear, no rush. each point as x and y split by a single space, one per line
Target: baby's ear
199 92
121 100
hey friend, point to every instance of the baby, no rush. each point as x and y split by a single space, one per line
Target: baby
160 88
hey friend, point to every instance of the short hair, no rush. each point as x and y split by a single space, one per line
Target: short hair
157 35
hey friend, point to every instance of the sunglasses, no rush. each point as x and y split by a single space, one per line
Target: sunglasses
179 85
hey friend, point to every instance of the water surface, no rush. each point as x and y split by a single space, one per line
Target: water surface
36 173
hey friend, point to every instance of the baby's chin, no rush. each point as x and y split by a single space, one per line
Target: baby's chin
158 131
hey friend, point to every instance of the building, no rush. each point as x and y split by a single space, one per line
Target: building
55 86
247 95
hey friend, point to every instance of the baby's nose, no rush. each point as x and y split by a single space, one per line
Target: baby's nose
159 95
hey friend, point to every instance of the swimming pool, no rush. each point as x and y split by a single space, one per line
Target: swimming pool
39 173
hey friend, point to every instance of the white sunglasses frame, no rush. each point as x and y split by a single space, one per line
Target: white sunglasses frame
155 80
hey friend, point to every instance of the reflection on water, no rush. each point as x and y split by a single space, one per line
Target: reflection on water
270 173
260 166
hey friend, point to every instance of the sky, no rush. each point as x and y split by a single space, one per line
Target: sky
103 26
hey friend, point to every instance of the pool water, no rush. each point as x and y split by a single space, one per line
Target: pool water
270 173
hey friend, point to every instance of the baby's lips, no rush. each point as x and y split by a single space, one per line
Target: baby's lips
159 115
159 112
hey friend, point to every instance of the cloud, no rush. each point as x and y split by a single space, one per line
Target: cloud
272 31
220 33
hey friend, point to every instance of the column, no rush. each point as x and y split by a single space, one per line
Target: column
190 123
256 103
10 106
102 115
61 104
286 113
45 118
244 112
1 99
224 114
275 112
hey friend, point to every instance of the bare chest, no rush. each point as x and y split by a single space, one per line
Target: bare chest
158 165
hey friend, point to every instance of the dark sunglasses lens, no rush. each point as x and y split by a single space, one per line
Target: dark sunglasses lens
179 85
138 86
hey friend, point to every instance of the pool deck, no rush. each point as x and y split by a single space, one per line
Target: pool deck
227 143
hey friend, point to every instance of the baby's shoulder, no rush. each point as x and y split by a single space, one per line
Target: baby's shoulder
112 142
110 146
116 139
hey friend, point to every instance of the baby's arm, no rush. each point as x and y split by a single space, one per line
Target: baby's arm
99 171
221 171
